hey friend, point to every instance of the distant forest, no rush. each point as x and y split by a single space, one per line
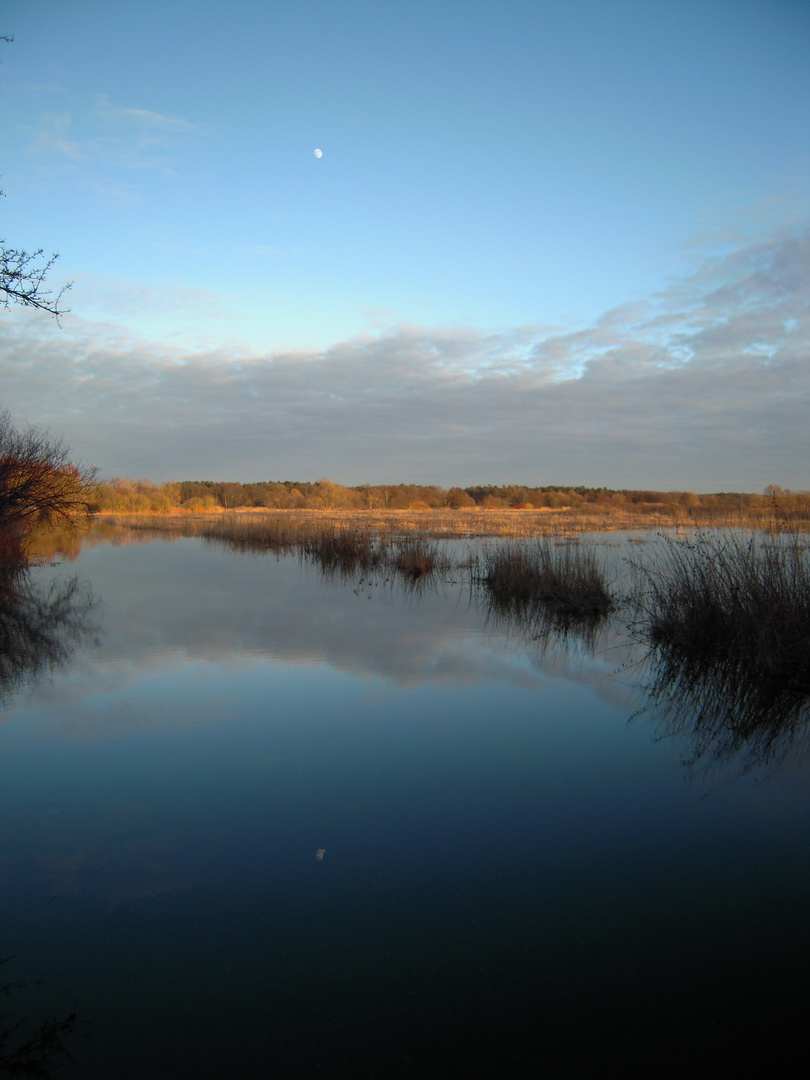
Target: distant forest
199 496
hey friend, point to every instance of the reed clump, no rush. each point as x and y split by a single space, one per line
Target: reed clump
727 599
415 558
343 548
342 551
243 534
349 552
565 578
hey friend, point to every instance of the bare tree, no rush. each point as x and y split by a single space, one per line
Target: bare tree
23 273
38 483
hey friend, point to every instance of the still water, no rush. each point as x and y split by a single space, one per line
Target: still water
257 822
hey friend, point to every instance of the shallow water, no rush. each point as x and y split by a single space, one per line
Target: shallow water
515 875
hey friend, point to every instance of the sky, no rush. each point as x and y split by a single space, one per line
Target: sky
544 243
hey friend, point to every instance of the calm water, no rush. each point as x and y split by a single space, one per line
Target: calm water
516 877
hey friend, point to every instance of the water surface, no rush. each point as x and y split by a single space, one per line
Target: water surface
515 875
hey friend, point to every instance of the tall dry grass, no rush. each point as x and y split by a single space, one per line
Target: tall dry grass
565 577
724 598
477 522
344 547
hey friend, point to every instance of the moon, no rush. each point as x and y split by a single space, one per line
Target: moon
319 153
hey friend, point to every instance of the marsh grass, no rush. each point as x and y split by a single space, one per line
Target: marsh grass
342 548
343 551
566 579
350 553
434 524
743 603
470 522
416 558
280 536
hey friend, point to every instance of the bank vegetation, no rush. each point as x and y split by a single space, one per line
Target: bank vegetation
39 486
508 510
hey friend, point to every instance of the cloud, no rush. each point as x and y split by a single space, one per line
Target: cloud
109 137
705 385
51 137
149 124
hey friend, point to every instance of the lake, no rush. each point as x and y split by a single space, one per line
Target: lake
259 821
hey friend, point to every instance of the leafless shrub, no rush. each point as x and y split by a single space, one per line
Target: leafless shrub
38 482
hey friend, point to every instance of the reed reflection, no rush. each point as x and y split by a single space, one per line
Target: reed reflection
352 554
545 628
725 710
719 623
552 593
726 619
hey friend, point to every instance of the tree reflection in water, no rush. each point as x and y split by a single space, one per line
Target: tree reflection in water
31 1048
39 630
39 627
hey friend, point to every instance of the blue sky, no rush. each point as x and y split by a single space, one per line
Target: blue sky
545 243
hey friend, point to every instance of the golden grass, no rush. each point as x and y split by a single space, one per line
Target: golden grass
475 522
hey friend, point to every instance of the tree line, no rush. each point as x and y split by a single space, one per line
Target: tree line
198 496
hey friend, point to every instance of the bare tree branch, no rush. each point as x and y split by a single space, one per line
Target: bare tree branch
22 273
22 277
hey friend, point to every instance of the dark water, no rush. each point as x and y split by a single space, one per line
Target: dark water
516 879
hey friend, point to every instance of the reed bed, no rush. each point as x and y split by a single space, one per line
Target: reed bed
730 600
567 579
416 559
469 523
435 524
352 552
340 548
244 534
344 551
